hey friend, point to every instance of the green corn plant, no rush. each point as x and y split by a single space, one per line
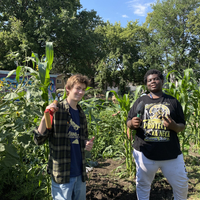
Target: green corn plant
195 119
186 91
124 106
44 68
91 107
104 127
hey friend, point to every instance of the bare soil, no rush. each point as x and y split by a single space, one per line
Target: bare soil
104 184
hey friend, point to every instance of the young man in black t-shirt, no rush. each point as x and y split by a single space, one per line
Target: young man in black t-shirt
156 142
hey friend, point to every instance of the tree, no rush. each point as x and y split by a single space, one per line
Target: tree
193 24
12 45
61 22
37 21
172 45
79 51
121 63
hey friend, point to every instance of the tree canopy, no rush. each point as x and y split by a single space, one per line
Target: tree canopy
108 53
121 63
27 25
172 43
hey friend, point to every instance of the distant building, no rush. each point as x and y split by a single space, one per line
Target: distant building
57 81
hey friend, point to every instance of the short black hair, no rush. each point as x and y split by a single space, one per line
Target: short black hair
153 71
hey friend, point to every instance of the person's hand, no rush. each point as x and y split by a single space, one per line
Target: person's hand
53 107
115 113
89 144
136 122
169 122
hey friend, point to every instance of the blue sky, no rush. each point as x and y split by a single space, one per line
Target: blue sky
120 10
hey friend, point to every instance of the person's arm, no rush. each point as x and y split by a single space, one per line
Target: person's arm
39 138
179 127
129 124
42 127
116 113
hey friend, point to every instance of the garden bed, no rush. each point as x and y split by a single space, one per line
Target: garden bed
104 184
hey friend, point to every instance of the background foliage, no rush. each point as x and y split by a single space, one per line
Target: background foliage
109 54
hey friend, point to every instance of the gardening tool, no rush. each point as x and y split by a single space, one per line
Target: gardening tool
140 109
48 114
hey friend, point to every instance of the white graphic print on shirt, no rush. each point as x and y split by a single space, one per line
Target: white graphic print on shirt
153 126
74 134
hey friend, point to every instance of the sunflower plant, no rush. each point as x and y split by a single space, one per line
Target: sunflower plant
21 110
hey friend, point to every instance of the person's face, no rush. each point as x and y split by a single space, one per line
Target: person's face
77 92
154 83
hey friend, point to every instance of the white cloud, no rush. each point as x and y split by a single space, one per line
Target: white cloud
125 16
138 8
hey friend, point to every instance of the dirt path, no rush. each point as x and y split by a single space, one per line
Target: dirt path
105 185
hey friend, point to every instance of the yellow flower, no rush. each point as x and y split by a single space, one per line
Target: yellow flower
37 67
1 83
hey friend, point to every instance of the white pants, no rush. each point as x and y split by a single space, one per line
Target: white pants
174 170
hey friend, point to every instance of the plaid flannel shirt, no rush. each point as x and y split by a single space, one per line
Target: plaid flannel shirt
59 143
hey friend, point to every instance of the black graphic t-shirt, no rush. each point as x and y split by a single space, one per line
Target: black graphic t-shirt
153 138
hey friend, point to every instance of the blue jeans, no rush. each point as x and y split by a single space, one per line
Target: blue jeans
74 190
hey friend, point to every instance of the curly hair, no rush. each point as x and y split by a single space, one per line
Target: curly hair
153 71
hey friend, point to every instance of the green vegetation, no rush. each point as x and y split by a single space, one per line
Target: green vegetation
112 56
23 164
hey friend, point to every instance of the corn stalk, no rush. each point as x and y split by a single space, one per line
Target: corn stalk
125 104
187 92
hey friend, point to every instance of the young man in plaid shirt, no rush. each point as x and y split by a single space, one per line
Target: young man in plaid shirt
68 140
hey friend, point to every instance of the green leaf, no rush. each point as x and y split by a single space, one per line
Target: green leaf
2 147
11 96
35 55
10 149
10 73
21 94
64 95
28 95
9 161
8 125
88 88
32 71
24 139
18 70
49 55
42 71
